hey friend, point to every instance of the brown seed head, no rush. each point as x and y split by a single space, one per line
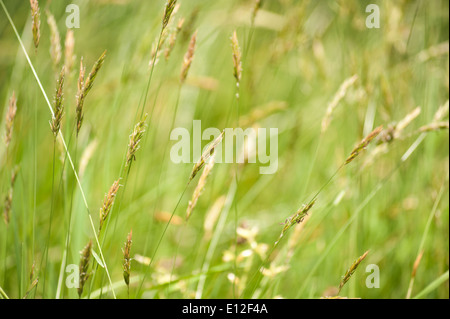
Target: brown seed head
35 16
363 144
108 203
187 61
69 57
55 40
10 115
173 38
237 63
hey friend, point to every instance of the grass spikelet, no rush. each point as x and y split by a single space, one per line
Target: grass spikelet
435 126
9 196
55 40
10 115
363 144
58 107
351 271
80 96
187 61
127 259
108 203
201 184
297 218
85 86
173 38
93 74
237 63
135 140
205 156
35 16
84 266
170 6
69 57
340 94
441 112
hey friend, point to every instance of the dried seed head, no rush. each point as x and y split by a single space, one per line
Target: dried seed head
441 112
205 156
127 259
10 115
35 16
108 203
201 184
69 57
84 266
55 40
340 94
173 38
351 270
135 140
58 110
435 126
237 63
187 61
363 144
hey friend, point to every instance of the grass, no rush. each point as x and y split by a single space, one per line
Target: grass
309 68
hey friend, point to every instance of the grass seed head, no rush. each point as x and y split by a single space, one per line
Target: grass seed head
127 259
84 266
170 6
69 57
55 40
173 38
58 110
363 144
187 61
36 17
340 94
135 140
205 156
10 116
351 270
201 184
9 196
85 86
237 63
108 203
298 217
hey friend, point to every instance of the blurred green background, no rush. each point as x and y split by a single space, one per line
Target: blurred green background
295 55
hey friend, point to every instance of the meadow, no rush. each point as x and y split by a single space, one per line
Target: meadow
93 206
